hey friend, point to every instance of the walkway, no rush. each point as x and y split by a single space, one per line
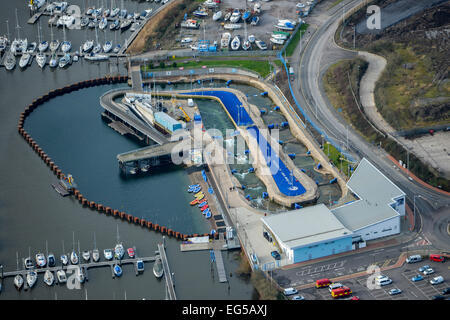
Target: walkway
167 274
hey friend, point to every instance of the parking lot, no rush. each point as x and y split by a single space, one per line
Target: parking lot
212 30
401 279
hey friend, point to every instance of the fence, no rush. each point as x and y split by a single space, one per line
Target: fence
199 72
334 142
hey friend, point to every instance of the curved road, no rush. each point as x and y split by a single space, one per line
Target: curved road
310 61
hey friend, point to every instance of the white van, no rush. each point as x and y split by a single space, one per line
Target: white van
335 286
414 258
290 291
383 281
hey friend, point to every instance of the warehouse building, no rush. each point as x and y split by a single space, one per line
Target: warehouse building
308 233
316 231
379 207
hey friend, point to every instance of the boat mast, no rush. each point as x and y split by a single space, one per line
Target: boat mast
7 28
17 27
95 242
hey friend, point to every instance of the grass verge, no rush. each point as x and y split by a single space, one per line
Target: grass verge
261 67
296 39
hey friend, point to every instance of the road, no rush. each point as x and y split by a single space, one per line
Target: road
310 60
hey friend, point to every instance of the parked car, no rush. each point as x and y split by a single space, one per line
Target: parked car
438 297
428 271
290 291
437 280
446 291
394 291
416 278
437 258
354 298
276 255
298 298
422 269
414 258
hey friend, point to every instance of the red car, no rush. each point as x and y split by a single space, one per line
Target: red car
355 298
437 258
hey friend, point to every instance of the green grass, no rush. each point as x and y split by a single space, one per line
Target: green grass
296 39
335 4
258 66
335 156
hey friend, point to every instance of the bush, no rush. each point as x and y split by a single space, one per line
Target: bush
162 65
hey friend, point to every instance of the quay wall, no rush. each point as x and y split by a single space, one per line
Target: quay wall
100 208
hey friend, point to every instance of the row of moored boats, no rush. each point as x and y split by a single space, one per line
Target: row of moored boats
199 200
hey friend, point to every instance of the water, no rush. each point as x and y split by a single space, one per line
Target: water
31 212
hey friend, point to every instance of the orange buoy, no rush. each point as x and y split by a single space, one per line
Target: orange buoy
129 218
99 207
156 227
108 210
137 220
122 214
163 229
149 224
115 213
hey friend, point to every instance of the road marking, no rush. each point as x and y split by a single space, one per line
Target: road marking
412 292
386 263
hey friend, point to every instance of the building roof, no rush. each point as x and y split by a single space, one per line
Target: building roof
375 192
306 226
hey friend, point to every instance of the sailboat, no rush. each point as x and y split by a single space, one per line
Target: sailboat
73 255
18 279
225 40
10 61
246 44
54 44
95 252
64 259
158 269
236 43
107 47
31 278
53 63
119 250
61 276
65 45
97 48
43 45
41 59
19 45
49 278
24 60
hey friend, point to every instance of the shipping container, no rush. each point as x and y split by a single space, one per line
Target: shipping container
167 122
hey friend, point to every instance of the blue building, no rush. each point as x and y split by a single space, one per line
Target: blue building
308 233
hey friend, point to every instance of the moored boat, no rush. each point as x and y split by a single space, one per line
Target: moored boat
51 260
66 46
61 276
158 269
54 45
119 251
41 59
88 45
18 281
107 46
64 260
24 60
194 202
108 253
43 46
225 40
40 260
131 252
95 255
10 61
236 43
140 266
73 258
63 62
80 274
31 278
117 270
53 63
49 278
86 255
217 15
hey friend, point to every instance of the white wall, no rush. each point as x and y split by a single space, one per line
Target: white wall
380 229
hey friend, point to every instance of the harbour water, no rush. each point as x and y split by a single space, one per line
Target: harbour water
31 212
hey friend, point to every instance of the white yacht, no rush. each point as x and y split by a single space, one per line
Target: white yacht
217 15
43 46
277 41
261 44
232 26
41 59
246 45
107 47
61 276
73 255
10 61
86 255
117 48
88 45
19 46
103 23
40 257
53 63
235 16
54 45
80 274
31 278
119 251
49 278
251 38
66 46
64 258
225 40
95 255
3 43
236 43
108 253
279 36
18 281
